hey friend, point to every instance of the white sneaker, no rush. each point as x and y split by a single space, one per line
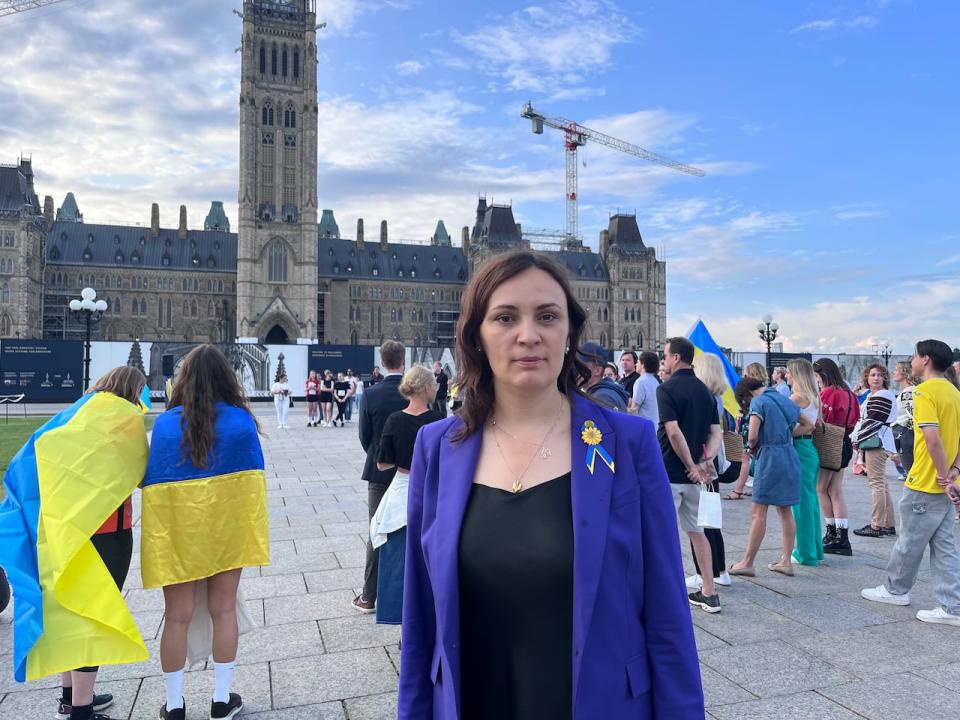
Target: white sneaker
938 615
880 594
279 427
724 579
694 582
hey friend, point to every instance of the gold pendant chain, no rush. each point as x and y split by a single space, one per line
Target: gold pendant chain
543 452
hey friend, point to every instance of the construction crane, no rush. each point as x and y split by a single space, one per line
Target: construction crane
11 7
575 136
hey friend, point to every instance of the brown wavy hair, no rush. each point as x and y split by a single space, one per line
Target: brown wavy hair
124 381
474 376
205 378
866 374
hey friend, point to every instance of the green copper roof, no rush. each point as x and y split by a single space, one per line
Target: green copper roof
328 226
440 235
69 211
216 219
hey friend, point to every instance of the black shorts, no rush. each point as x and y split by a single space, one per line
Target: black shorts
115 549
326 397
312 398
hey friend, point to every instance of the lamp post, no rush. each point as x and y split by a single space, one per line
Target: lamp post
885 351
91 308
768 333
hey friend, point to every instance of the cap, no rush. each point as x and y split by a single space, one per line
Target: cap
593 352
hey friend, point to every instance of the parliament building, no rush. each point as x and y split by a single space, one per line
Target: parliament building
287 274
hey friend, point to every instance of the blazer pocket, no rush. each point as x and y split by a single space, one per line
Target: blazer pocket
630 495
436 676
638 675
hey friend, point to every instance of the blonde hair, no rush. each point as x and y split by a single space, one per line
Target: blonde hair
804 381
124 381
906 369
709 369
758 372
416 381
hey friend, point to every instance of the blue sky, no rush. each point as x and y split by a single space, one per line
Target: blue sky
828 132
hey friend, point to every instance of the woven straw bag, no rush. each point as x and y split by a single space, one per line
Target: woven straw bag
733 446
828 439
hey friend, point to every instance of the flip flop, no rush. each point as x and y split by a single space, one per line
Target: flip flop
734 495
782 569
745 572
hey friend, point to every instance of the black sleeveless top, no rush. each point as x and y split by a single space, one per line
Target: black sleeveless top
516 603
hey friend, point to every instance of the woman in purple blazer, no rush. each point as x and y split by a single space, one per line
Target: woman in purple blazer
543 574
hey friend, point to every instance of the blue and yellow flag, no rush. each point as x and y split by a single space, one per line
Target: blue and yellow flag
61 486
198 522
703 342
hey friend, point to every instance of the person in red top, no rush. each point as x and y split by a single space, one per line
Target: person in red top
840 407
312 392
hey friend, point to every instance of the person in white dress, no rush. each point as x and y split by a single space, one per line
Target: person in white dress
281 401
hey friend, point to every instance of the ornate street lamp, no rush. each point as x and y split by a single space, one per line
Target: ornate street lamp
885 351
92 309
768 333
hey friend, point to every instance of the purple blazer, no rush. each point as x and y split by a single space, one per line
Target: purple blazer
634 655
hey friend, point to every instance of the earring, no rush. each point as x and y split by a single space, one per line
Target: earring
566 350
479 349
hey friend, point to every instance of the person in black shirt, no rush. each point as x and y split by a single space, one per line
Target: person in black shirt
388 529
440 405
341 395
628 364
690 437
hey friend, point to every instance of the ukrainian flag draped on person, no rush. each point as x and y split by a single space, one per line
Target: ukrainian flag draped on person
703 342
62 485
189 513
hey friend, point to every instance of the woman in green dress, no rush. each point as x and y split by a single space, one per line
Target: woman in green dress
803 384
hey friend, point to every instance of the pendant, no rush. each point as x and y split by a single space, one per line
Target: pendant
545 453
517 486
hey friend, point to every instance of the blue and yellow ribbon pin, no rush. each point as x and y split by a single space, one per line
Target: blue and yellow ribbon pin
592 436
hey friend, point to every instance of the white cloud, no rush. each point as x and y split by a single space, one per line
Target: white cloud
410 67
550 49
860 22
848 213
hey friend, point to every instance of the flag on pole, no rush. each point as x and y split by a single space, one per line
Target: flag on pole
703 342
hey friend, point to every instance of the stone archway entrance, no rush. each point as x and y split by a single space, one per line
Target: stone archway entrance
276 336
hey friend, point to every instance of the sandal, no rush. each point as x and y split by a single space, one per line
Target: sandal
734 495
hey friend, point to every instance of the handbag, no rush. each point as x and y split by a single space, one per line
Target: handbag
733 446
291 401
710 510
871 443
833 443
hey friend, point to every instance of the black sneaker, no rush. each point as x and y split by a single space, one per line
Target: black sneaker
841 545
226 710
179 713
707 603
100 702
868 531
830 536
891 531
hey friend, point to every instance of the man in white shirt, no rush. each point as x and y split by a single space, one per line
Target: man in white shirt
644 400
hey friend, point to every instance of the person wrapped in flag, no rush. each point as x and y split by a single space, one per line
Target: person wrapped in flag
66 541
204 517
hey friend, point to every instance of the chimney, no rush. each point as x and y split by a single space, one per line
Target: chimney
383 235
182 228
48 211
604 242
465 240
360 234
154 220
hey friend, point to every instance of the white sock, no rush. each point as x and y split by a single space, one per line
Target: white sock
222 676
830 521
174 684
842 523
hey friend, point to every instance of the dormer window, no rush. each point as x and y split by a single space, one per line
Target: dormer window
63 237
336 268
349 268
211 261
399 272
166 243
165 260
375 271
87 255
413 272
90 238
195 260
143 241
116 239
135 258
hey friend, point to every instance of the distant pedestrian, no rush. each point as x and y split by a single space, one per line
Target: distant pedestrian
801 378
780 381
874 440
375 376
281 401
644 400
341 396
838 406
927 517
388 528
352 401
629 375
311 390
903 426
379 403
443 381
607 392
326 398
610 372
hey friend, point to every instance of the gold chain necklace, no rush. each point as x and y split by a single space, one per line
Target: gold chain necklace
544 453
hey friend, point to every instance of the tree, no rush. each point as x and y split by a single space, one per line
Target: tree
135 359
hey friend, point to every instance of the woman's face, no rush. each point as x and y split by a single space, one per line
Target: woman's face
313 375
525 330
898 377
819 378
610 374
789 377
430 393
875 379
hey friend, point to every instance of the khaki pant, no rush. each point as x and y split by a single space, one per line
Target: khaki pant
882 515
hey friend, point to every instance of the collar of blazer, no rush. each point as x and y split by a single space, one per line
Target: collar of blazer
590 500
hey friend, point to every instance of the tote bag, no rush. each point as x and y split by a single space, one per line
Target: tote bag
710 510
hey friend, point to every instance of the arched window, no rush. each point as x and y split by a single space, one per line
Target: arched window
193 308
263 59
290 117
283 62
296 66
626 315
273 60
4 325
626 339
143 306
399 314
277 262
134 307
640 339
268 114
603 339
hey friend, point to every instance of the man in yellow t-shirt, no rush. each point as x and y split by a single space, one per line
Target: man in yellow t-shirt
927 516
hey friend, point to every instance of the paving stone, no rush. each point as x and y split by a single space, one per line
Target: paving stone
718 690
139 600
149 667
897 697
43 702
351 558
825 613
272 586
353 633
251 681
946 675
773 668
749 623
324 711
275 642
801 706
340 579
300 564
320 545
315 606
355 673
373 707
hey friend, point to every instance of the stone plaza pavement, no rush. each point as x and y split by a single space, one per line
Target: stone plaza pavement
802 648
